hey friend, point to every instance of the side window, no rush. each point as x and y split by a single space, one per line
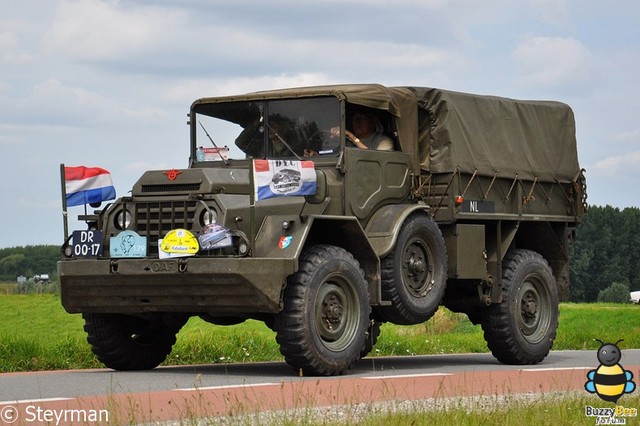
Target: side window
369 128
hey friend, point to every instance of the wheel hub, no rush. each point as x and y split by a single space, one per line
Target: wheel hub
416 266
331 311
533 319
417 269
334 314
529 307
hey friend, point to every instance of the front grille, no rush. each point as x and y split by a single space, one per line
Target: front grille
166 187
155 219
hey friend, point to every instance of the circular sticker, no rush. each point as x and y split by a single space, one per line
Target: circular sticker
180 241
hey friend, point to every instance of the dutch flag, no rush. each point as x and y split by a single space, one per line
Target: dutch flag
278 178
87 185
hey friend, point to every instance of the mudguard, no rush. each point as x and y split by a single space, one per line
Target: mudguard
383 227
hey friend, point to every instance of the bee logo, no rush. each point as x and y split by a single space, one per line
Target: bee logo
609 381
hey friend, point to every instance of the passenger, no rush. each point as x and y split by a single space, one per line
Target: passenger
251 139
365 134
278 146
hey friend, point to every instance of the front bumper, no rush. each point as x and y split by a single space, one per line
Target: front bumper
217 286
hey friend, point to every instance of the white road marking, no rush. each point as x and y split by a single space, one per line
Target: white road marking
228 387
537 370
31 401
402 376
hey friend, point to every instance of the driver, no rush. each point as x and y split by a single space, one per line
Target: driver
365 133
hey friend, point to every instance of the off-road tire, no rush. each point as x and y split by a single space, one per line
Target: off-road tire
126 343
521 329
323 325
414 274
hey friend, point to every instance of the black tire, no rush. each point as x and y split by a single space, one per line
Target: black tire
414 274
322 327
126 343
521 329
373 332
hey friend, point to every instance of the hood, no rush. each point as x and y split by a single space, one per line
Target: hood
193 181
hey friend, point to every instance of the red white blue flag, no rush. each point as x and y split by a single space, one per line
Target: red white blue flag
85 185
278 178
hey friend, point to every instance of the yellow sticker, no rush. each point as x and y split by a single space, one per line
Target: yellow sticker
180 241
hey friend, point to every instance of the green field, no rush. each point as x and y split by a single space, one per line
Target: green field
37 334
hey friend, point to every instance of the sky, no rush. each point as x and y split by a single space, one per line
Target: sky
109 83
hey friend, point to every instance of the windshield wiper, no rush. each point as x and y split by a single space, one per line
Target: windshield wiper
283 141
226 162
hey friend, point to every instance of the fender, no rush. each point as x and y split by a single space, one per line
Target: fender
383 227
273 241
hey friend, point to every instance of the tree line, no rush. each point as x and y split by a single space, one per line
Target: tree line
605 255
28 261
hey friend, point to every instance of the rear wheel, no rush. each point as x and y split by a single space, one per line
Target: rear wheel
414 275
521 329
323 325
123 342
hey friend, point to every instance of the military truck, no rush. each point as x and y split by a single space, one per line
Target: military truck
279 218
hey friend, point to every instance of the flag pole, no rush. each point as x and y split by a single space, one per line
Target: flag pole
64 202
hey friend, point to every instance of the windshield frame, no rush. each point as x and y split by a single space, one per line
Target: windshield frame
265 111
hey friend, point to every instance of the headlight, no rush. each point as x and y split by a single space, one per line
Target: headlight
122 219
208 217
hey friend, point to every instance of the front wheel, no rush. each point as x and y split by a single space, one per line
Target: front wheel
123 342
323 325
521 329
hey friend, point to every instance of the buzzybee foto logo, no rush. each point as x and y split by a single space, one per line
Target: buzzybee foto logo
610 381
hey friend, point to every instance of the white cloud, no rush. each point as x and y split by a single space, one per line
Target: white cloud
10 51
554 11
53 101
632 136
617 165
7 40
96 30
553 61
108 82
188 90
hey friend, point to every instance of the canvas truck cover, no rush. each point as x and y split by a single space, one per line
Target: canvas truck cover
493 135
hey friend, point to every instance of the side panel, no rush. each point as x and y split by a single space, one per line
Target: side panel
375 178
466 251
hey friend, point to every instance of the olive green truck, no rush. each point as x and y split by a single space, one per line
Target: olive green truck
279 218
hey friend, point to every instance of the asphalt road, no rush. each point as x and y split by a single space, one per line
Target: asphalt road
224 388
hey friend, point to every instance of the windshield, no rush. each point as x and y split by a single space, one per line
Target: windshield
289 128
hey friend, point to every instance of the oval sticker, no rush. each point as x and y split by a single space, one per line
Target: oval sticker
285 240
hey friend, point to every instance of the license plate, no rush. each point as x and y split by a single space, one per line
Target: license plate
87 243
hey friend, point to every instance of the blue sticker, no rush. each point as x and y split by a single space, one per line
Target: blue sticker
128 244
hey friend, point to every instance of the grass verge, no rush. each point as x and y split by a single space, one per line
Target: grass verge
37 334
534 409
